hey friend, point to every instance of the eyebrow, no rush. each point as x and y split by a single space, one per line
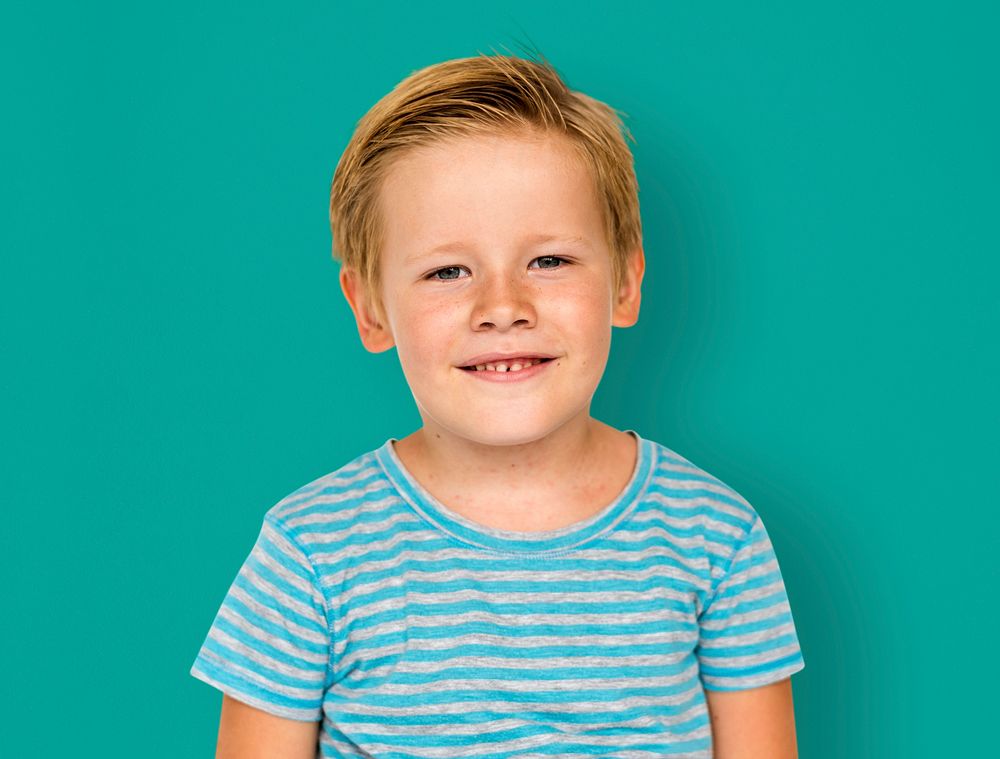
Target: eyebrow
460 245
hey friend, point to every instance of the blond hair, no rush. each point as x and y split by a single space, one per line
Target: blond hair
485 94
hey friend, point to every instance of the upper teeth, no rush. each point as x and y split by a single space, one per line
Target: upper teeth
502 366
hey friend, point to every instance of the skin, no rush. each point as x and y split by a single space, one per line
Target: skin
758 723
522 456
249 733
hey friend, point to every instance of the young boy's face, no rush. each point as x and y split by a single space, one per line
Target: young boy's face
496 245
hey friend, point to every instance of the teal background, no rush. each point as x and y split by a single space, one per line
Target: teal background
819 326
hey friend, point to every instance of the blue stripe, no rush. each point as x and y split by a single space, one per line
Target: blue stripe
223 652
768 623
712 670
273 629
242 685
665 711
526 630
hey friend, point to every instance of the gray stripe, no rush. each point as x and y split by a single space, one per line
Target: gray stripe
341 510
509 596
520 664
272 615
753 660
756 615
268 706
285 600
324 559
415 619
354 530
385 727
282 645
692 503
401 558
751 594
336 482
517 685
220 636
588 642
746 639
575 707
618 742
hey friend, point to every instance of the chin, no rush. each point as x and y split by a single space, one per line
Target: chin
504 438
510 432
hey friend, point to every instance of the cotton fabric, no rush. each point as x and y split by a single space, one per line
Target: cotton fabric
411 631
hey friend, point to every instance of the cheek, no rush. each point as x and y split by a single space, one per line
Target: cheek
595 331
426 330
589 311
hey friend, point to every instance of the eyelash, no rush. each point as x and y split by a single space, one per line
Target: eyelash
432 276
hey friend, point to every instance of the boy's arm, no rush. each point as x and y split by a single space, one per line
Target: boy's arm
758 723
249 733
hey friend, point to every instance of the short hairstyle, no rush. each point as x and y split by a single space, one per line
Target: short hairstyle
485 94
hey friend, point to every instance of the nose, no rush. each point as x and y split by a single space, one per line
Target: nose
504 300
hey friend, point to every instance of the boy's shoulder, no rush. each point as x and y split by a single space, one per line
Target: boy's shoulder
692 494
686 475
338 495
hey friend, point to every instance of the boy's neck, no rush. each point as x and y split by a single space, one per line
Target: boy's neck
544 485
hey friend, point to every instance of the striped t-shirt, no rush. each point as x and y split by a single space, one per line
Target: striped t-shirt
411 631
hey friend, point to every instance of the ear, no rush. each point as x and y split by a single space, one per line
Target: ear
374 336
626 306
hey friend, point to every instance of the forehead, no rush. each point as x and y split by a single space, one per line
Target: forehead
488 147
488 190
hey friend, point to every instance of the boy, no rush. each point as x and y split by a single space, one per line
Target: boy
515 578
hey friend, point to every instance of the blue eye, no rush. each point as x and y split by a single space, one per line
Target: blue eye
450 273
433 274
550 258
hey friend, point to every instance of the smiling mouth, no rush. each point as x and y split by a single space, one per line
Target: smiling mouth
513 365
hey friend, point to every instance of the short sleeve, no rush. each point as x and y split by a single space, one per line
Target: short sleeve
747 637
269 645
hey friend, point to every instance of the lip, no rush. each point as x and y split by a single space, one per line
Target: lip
493 358
508 376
